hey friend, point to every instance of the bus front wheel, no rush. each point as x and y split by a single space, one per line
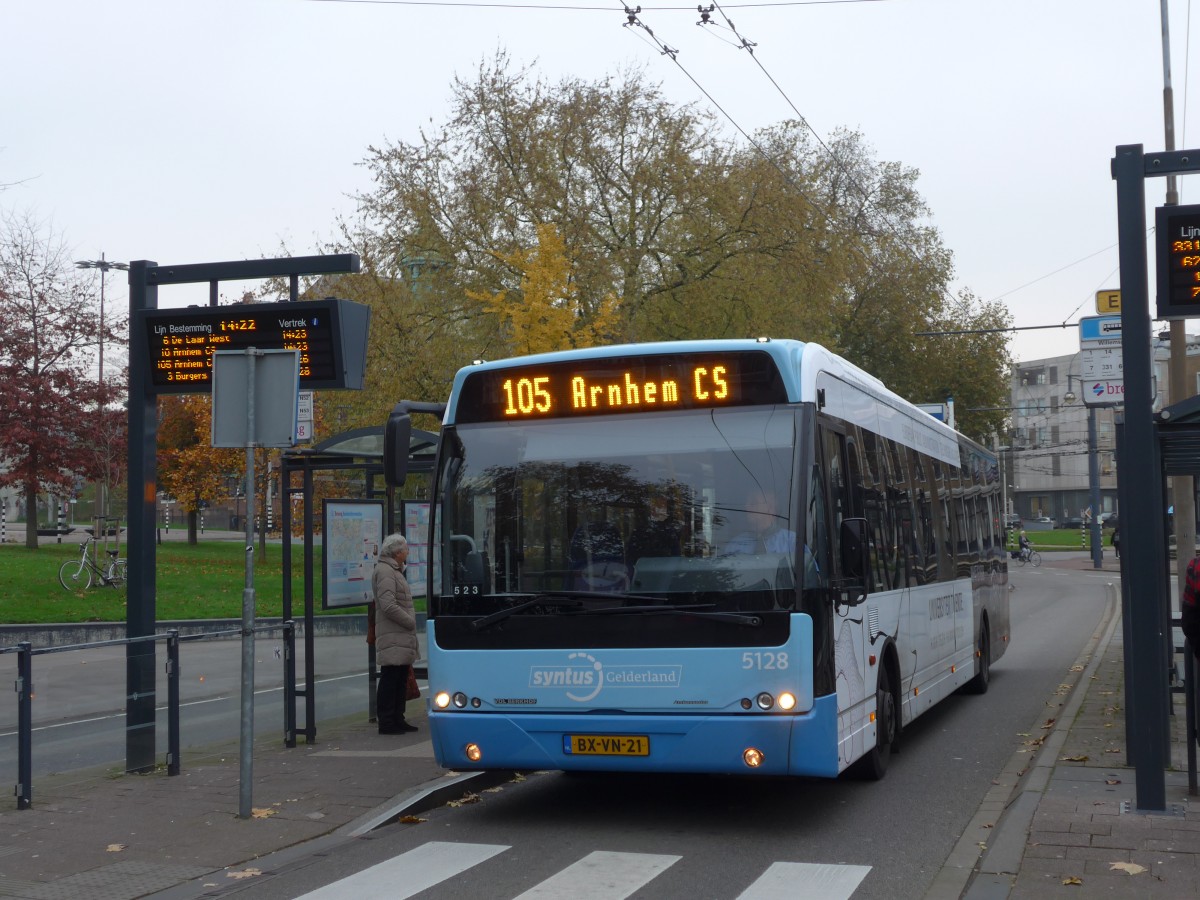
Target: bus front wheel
874 765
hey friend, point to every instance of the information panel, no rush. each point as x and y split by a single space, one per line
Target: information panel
329 334
350 549
1177 241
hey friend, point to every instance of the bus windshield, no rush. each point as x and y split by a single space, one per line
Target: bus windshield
692 510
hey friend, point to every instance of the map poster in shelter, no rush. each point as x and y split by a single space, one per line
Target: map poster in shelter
353 534
416 529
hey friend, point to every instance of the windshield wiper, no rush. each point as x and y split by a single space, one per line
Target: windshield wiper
697 609
542 600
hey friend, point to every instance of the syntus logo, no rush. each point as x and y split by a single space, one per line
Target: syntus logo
583 672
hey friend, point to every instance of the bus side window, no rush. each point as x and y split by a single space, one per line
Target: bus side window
816 548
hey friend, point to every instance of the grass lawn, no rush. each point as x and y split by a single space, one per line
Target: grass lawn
1059 539
204 581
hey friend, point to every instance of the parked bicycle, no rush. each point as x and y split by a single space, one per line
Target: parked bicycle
79 574
1029 555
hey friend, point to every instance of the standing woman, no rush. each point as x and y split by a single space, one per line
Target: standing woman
395 634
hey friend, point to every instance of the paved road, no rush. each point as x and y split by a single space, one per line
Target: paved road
610 836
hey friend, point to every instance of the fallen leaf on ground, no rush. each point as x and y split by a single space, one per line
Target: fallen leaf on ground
1074 758
116 848
466 798
244 873
411 820
261 813
1112 781
1131 868
1076 668
1049 723
1072 879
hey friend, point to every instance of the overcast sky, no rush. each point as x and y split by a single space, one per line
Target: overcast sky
186 131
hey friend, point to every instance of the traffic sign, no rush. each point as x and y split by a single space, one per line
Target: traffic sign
1100 331
1108 302
1101 363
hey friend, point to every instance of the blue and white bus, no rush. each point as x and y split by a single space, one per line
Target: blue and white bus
742 556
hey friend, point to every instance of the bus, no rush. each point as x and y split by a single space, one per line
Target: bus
728 556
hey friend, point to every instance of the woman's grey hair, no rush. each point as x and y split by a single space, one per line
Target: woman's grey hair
392 544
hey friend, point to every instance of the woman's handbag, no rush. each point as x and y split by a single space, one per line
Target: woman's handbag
412 692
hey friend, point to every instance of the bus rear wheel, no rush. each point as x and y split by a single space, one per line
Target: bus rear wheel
874 765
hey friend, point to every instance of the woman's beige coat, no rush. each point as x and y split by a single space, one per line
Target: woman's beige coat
395 620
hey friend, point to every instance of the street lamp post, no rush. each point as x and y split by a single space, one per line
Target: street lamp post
104 266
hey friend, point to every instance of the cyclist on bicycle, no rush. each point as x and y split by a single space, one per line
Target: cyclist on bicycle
1026 547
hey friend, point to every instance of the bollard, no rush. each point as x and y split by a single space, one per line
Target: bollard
173 702
202 521
62 521
24 789
3 520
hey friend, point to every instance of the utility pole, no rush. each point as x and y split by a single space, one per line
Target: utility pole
1183 496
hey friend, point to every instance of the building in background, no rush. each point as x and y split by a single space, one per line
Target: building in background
1046 460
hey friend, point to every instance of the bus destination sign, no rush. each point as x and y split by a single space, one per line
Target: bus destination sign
1177 237
329 334
627 384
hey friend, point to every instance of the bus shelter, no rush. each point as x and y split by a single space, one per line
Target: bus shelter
1178 431
357 457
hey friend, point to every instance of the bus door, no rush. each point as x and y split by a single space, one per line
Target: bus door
849 632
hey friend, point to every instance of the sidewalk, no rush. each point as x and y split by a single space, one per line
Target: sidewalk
1062 820
1060 817
98 835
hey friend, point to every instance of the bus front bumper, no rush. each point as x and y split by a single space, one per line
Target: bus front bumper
801 744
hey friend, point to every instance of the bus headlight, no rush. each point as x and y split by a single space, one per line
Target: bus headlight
787 701
460 699
765 700
474 754
753 757
441 700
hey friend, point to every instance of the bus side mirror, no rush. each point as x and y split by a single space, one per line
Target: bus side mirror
397 434
397 438
854 551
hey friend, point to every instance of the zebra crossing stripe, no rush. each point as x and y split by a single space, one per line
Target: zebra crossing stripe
602 875
806 881
409 873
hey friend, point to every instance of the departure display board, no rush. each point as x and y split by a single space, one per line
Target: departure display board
330 334
1177 238
625 384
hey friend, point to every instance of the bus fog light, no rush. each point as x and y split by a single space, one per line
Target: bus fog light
441 700
787 701
460 699
476 703
765 700
747 703
753 757
474 754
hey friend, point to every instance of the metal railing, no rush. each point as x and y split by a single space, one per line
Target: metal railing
24 688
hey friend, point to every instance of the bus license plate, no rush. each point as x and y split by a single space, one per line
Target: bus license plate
606 744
